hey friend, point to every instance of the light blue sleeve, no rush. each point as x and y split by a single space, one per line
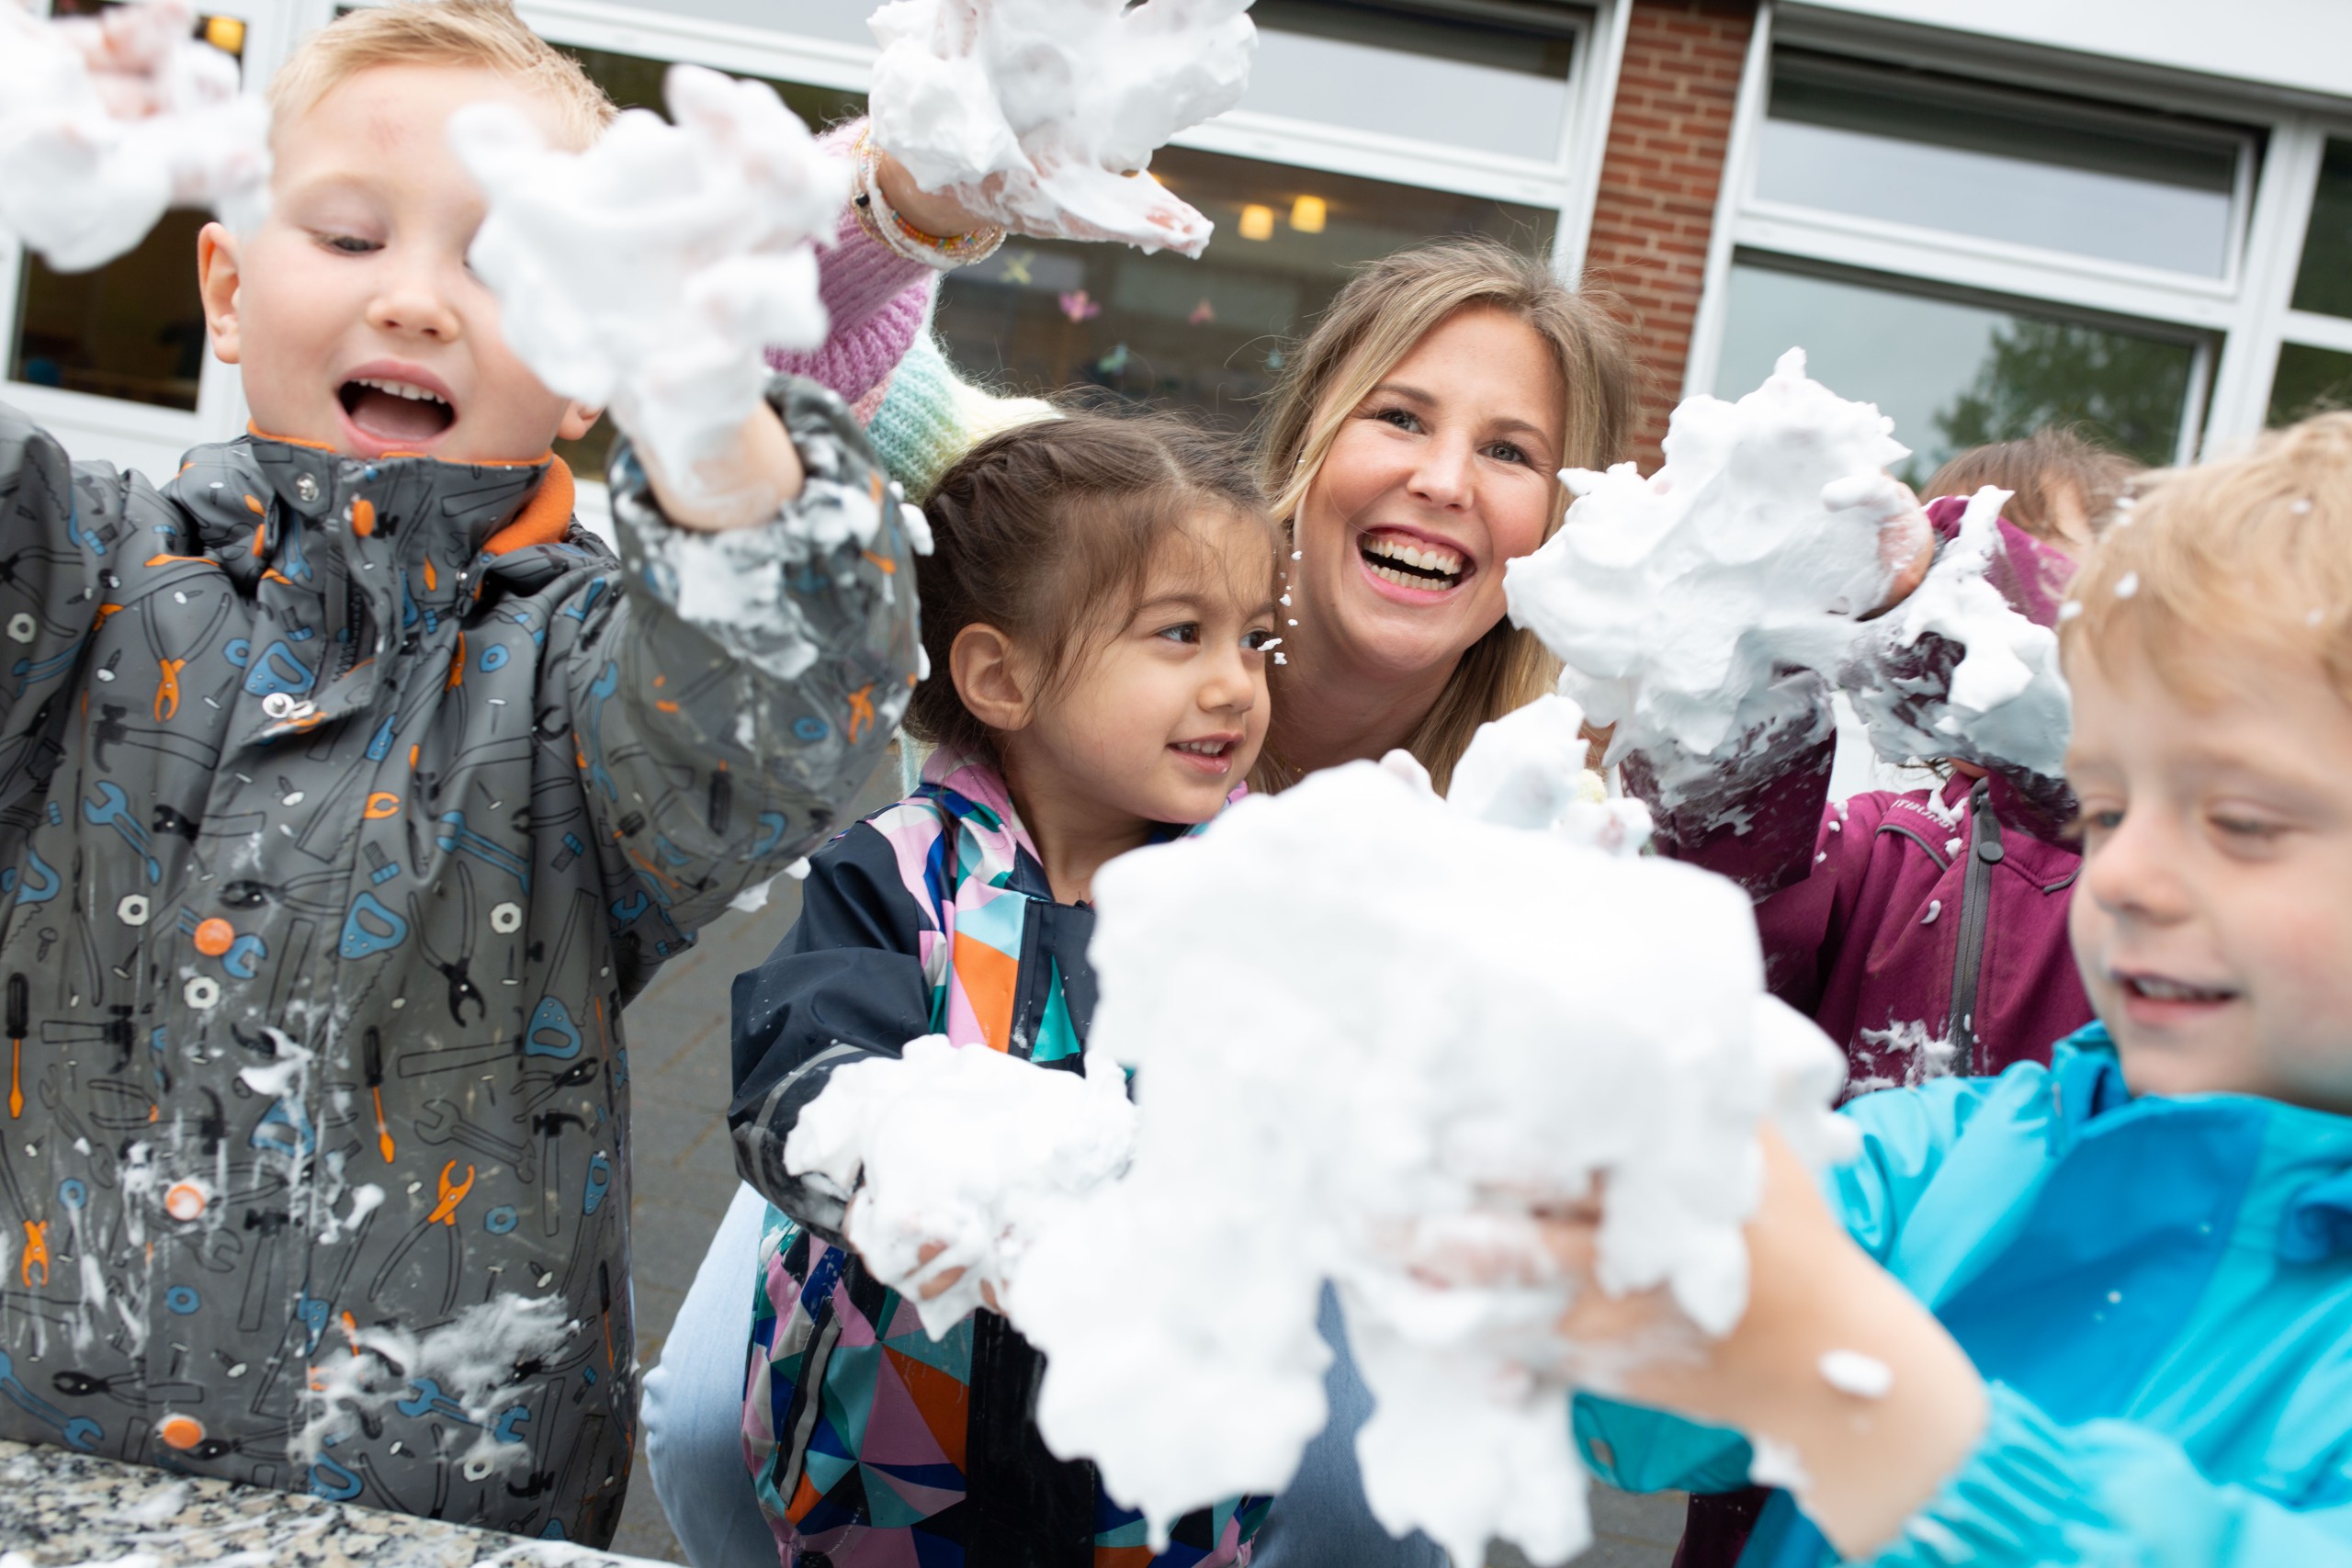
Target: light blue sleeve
2104 1493
1907 1133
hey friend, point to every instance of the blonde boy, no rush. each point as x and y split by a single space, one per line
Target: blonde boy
347 794
2115 1294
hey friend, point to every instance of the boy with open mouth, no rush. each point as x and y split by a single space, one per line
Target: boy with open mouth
348 792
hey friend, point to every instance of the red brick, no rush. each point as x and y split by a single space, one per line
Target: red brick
1655 215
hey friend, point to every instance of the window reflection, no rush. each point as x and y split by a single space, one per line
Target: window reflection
2323 283
2030 171
134 328
1450 81
1042 315
2310 381
1953 375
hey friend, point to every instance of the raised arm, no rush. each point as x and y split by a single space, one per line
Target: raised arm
746 686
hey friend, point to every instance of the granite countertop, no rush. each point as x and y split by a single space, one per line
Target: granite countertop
60 1509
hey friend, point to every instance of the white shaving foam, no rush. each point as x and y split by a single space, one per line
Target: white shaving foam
1043 115
472 1358
1674 600
2007 701
1565 1014
963 1148
105 123
1850 1371
648 273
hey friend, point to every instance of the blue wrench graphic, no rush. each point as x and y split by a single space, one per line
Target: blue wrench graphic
78 1431
457 836
113 805
425 1398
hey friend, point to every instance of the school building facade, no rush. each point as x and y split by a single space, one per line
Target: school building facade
1983 215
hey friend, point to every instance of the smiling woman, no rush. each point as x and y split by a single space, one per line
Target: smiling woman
1413 448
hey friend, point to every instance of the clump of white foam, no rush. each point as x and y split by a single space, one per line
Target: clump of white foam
2007 701
105 122
1043 115
480 1359
1528 769
1850 1371
648 273
1425 1024
961 1148
1675 599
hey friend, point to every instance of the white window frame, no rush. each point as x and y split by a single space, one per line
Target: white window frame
2237 320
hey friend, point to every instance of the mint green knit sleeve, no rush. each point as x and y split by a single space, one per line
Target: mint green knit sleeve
930 416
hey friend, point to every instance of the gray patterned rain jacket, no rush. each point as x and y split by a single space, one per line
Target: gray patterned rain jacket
343 805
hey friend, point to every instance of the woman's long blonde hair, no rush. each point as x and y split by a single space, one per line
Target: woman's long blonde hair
1375 321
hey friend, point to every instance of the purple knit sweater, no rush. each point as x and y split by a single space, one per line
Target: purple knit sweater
874 299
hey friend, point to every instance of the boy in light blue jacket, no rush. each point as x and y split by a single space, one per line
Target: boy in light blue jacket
2114 1294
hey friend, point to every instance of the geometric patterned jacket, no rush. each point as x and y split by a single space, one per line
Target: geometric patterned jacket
343 805
870 1444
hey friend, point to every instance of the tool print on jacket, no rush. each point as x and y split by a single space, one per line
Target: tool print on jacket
344 804
870 1443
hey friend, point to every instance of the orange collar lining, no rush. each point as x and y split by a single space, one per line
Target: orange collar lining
544 518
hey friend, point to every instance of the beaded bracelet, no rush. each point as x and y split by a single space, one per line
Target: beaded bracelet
877 218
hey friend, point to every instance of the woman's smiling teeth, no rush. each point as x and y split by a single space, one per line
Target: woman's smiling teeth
1203 747
1407 564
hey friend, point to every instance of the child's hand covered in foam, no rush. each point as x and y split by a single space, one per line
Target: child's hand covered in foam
1767 541
958 1155
107 122
1043 115
648 273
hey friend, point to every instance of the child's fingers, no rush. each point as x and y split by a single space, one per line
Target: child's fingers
939 1284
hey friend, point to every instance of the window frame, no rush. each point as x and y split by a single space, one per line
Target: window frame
2239 321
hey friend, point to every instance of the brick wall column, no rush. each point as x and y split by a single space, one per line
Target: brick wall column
1669 135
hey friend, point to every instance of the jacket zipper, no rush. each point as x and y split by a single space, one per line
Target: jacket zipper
1975 894
353 607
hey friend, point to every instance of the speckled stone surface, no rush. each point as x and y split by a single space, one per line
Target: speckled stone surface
60 1509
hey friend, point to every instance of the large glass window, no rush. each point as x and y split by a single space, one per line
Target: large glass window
1879 143
1953 375
1042 315
1494 87
134 328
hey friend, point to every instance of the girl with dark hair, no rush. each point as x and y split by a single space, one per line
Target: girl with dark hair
1096 616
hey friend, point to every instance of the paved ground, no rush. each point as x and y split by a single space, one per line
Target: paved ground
685 1176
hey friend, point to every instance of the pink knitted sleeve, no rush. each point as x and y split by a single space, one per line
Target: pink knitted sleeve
874 299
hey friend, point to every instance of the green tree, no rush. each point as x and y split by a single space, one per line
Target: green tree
2124 392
